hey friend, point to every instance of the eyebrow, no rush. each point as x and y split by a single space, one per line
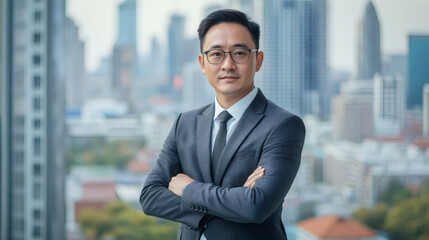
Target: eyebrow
243 45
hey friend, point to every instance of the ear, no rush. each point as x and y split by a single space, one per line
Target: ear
259 60
202 63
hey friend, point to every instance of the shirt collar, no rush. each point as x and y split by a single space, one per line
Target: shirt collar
236 110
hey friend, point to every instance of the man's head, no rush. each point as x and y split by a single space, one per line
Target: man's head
230 56
228 16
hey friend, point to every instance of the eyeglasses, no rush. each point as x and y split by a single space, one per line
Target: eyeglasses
238 55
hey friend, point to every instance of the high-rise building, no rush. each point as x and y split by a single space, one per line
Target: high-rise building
176 40
127 35
124 55
394 64
2 181
369 60
74 61
32 136
426 110
389 105
352 116
294 42
418 71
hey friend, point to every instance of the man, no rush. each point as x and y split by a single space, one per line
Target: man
225 168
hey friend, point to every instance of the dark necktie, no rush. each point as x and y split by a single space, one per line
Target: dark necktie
220 140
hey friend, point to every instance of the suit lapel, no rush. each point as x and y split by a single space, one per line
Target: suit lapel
204 129
251 117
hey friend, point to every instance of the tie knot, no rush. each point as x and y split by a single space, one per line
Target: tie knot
224 116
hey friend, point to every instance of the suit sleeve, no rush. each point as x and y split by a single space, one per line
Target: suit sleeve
281 157
155 198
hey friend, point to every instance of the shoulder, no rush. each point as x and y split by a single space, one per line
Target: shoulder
277 113
192 114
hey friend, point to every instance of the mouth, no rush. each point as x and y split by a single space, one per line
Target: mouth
229 77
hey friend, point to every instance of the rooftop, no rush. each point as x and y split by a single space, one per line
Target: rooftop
336 227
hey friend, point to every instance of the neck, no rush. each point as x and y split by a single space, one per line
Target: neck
226 101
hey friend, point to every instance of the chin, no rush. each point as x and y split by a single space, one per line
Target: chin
230 91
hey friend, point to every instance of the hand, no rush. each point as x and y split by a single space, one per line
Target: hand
257 174
178 183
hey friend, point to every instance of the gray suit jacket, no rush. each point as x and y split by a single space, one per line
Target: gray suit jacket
218 205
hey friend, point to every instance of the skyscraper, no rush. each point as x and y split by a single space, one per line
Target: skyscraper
74 61
127 35
125 54
352 117
32 150
418 71
176 40
389 105
369 61
294 42
426 110
2 178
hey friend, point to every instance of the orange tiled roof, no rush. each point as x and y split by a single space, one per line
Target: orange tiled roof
99 191
336 227
138 167
422 143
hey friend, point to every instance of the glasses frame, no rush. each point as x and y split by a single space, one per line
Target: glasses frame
230 54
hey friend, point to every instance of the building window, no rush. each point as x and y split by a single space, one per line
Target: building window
36 103
37 146
36 124
37 191
37 170
36 38
37 16
36 231
19 121
19 139
36 60
19 179
36 214
36 81
18 225
19 158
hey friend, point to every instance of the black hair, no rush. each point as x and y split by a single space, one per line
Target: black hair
228 16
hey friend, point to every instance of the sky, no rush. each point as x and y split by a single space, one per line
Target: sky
97 20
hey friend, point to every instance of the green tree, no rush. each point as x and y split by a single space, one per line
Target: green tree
425 187
394 193
373 217
95 224
409 220
99 151
120 221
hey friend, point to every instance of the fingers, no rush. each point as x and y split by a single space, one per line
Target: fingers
257 174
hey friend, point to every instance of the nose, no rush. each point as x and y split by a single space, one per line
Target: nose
228 63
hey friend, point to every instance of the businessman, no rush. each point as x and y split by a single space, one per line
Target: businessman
225 168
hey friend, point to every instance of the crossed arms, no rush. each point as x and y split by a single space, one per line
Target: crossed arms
259 197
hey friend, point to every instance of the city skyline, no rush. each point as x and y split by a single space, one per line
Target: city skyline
342 20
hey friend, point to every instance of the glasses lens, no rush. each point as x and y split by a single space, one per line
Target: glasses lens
240 55
215 56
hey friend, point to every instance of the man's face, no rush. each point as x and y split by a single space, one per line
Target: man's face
229 78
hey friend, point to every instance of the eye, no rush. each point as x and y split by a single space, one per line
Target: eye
240 52
215 53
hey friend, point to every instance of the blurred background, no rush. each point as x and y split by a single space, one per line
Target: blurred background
90 89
